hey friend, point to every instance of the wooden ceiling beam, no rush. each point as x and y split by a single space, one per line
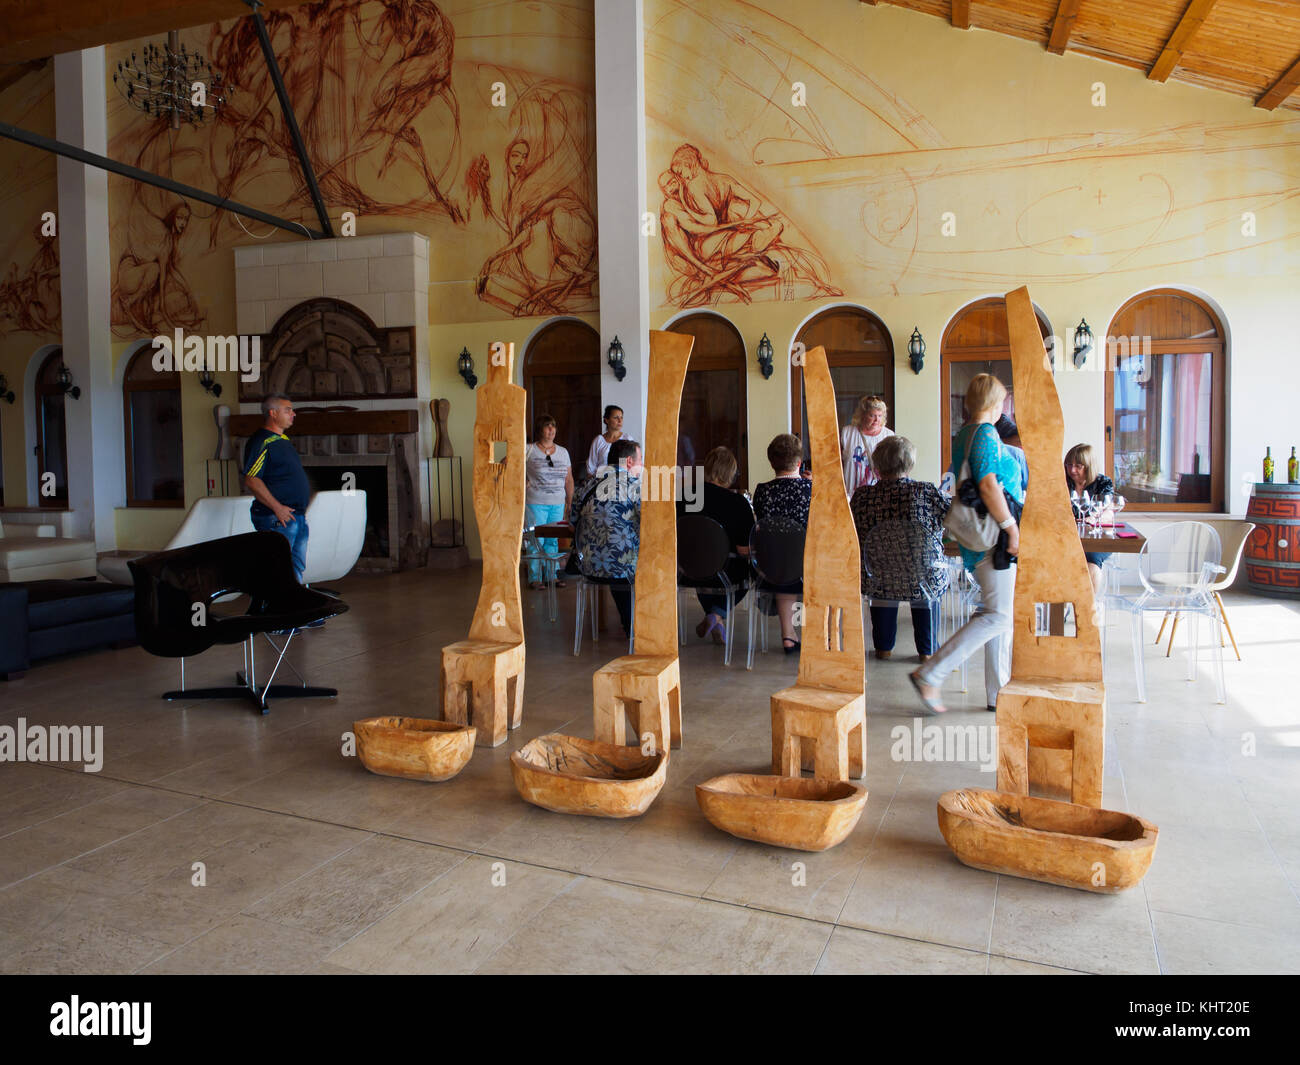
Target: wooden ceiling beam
961 14
1196 13
1280 89
1062 26
39 30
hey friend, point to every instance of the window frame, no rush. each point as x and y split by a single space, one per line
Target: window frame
41 389
1218 350
837 359
169 381
988 353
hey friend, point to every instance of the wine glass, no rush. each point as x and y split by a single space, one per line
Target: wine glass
1119 504
1107 507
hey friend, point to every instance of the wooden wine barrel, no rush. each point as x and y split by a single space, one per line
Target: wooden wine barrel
1272 558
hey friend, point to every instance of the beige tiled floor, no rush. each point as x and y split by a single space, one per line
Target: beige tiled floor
310 864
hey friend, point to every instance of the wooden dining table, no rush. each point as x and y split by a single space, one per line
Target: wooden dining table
1097 540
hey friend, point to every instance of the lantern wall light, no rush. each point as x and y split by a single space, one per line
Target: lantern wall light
765 354
465 367
64 379
615 358
1082 343
916 350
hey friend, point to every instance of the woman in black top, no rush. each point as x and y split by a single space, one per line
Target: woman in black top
732 511
1081 476
900 529
782 503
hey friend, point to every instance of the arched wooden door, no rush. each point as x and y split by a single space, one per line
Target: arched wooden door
860 353
562 375
714 412
976 341
51 432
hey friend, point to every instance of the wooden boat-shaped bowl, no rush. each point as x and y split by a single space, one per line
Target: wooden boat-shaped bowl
415 748
1042 839
571 775
795 812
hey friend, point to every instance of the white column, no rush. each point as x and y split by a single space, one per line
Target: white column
621 200
96 460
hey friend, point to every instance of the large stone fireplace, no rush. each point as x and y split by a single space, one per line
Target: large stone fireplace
344 328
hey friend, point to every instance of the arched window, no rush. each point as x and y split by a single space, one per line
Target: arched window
51 433
860 352
976 341
562 375
1164 402
151 422
713 412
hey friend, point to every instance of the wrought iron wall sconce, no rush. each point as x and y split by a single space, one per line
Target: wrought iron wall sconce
465 367
64 380
1082 343
615 358
765 354
916 350
5 394
209 383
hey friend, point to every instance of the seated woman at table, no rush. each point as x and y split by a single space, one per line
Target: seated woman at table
783 502
548 492
1081 476
900 529
732 511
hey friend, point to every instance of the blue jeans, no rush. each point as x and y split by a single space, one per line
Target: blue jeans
925 620
295 532
542 514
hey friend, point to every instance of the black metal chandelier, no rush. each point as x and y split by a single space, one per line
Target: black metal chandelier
171 82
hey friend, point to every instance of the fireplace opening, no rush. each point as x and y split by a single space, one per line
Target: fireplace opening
373 480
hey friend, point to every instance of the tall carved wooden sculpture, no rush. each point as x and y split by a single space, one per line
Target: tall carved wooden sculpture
646 685
1051 716
483 677
827 709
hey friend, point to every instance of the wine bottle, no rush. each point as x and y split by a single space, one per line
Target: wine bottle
1268 465
1293 468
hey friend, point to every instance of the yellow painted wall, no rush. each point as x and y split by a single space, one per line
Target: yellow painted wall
907 118
28 190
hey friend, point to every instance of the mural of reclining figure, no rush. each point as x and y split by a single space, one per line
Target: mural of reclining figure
721 242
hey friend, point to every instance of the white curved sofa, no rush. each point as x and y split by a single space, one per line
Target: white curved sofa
336 524
35 553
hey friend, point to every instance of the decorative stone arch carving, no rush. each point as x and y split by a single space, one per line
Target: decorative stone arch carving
329 350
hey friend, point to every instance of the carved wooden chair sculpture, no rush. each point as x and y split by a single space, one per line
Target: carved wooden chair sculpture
827 708
1051 716
483 677
646 685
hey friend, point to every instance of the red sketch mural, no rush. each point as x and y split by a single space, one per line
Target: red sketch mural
548 263
30 298
372 88
724 245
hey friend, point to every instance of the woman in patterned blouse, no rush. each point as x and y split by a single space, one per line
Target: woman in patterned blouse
782 503
900 529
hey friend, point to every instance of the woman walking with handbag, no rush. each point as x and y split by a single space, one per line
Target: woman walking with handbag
995 474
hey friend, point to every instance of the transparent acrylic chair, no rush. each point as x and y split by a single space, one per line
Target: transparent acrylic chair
1177 567
533 551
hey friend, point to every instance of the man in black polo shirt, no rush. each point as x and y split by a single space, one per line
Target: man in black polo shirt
274 474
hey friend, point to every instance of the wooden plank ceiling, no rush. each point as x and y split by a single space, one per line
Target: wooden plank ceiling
1250 48
36 29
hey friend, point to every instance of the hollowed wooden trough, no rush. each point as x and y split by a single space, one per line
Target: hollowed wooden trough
570 775
415 748
1055 842
794 812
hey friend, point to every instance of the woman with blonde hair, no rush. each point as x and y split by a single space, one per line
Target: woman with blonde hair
1081 476
995 471
859 439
